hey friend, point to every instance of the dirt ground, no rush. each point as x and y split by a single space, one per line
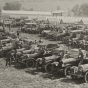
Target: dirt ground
17 76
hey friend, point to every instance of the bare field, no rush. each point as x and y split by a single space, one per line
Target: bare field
17 76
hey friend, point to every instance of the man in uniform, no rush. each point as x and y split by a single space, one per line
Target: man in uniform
18 33
9 57
80 56
66 55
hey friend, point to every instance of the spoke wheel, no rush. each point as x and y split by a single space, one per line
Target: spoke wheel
30 63
66 71
48 68
86 77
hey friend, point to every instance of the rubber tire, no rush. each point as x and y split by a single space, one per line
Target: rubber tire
33 65
46 66
65 70
85 77
2 54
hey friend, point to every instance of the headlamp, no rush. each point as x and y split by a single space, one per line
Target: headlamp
80 68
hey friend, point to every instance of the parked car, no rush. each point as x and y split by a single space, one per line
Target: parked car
30 28
29 58
45 62
80 71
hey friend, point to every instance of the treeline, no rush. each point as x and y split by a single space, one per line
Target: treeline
80 10
15 5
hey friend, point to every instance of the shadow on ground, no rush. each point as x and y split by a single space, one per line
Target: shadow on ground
18 65
73 81
34 71
52 76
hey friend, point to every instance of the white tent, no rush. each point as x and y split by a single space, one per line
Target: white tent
85 20
41 18
67 20
53 20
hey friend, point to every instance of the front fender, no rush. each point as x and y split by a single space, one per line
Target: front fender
55 63
31 59
85 72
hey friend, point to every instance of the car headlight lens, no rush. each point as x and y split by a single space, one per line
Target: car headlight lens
80 68
74 69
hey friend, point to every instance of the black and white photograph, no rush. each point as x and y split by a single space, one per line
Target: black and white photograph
43 43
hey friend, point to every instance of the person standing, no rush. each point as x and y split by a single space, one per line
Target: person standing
18 33
9 57
80 56
9 27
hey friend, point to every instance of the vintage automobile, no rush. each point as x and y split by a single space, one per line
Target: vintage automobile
78 35
29 59
16 22
12 35
59 36
45 62
69 37
41 62
65 64
45 32
48 46
2 37
9 40
30 28
22 53
43 26
80 71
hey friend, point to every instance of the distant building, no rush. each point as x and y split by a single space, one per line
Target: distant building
65 13
7 13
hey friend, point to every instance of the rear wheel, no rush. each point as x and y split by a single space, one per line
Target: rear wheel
86 77
30 63
48 68
67 71
3 54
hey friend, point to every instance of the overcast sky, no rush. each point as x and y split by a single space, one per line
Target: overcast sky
46 5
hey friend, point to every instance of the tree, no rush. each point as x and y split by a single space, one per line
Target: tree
81 10
75 10
12 6
26 9
84 9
